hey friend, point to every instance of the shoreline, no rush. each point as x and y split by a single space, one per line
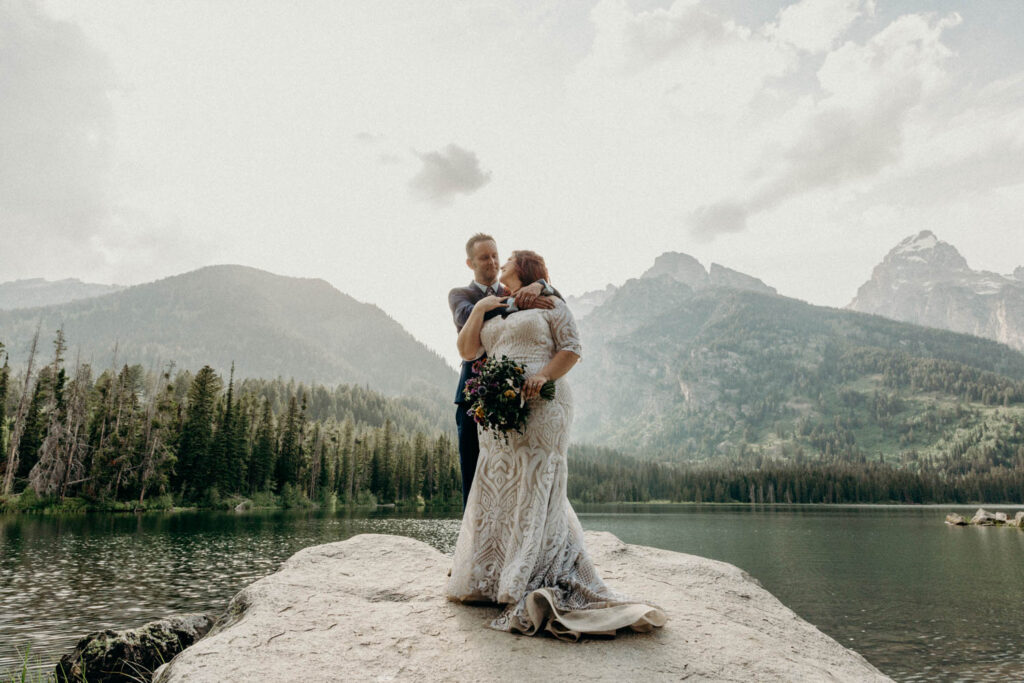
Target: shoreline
9 506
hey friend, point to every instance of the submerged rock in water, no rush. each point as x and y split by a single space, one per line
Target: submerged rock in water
955 519
373 607
131 655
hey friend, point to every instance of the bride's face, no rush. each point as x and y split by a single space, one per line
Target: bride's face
509 275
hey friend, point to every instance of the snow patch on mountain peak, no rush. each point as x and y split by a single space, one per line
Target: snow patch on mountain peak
922 241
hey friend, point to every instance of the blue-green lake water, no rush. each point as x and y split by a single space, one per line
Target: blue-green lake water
921 600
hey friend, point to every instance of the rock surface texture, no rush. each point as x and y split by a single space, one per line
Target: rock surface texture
373 608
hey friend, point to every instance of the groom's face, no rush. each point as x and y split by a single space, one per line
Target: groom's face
484 262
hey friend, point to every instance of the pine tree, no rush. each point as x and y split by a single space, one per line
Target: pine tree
345 479
288 458
158 458
227 458
32 433
194 475
261 464
238 447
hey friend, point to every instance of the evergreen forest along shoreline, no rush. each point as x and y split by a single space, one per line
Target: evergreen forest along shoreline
135 439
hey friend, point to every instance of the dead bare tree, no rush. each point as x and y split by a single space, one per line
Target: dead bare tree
155 448
106 406
19 417
77 446
61 457
49 462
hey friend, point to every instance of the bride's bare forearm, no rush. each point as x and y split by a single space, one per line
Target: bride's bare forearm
559 364
469 336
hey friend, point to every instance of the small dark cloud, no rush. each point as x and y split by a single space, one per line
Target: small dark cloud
369 138
448 172
707 222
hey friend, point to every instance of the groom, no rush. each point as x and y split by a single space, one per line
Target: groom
482 259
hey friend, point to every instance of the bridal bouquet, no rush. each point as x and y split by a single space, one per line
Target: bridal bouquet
496 395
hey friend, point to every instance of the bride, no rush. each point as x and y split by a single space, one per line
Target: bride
521 543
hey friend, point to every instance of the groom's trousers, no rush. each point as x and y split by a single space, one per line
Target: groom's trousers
469 447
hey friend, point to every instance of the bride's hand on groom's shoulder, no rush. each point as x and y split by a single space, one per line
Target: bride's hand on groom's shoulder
489 303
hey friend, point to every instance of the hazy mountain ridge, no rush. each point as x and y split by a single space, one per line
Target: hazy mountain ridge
35 292
674 372
677 267
928 282
268 325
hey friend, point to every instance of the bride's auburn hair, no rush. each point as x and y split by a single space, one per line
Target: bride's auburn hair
529 266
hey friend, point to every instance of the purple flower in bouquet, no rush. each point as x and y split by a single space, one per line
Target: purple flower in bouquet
496 395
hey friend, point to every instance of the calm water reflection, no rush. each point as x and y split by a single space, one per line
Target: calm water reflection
922 601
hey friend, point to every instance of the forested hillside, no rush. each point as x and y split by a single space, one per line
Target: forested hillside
267 325
678 375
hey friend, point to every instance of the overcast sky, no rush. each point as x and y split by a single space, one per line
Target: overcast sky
363 142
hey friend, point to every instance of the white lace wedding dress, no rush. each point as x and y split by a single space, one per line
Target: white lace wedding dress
521 543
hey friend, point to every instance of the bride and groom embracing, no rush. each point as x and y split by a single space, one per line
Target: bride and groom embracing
521 544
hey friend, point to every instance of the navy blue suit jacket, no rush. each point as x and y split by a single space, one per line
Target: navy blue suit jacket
461 300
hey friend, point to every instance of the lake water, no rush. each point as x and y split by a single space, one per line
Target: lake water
919 599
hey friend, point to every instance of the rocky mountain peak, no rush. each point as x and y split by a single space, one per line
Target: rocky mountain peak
681 267
925 281
925 252
720 276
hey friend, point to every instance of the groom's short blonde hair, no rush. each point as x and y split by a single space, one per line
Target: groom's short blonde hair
479 237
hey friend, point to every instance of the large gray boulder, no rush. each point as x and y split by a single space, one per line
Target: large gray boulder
984 518
130 656
373 608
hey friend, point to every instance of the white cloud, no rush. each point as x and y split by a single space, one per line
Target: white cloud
634 40
815 25
856 130
448 172
55 138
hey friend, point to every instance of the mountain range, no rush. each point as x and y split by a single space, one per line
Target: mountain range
682 363
925 281
267 325
677 267
36 291
674 372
